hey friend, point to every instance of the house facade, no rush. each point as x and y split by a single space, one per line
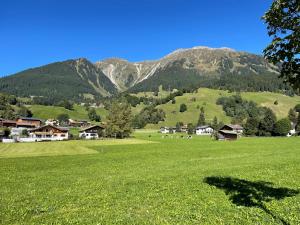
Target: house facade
49 133
224 135
233 127
91 132
204 130
168 130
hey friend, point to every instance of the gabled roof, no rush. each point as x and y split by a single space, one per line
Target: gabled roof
58 128
234 126
92 127
227 132
203 127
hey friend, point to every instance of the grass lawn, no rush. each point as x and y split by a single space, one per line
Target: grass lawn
151 180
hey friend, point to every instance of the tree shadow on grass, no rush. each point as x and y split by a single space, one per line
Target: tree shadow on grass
251 194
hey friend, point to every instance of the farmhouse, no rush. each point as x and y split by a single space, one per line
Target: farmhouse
49 133
204 130
7 123
91 132
168 130
81 123
233 127
28 122
52 122
227 135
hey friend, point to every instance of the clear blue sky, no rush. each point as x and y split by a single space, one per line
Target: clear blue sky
37 32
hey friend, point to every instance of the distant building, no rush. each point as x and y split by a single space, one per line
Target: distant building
292 132
49 133
28 122
184 129
52 122
204 130
81 123
164 130
233 127
227 135
7 123
91 132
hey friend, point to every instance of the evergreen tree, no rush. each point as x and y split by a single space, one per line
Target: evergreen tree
282 127
251 126
201 120
214 124
292 116
93 116
183 107
190 129
25 112
119 120
63 118
266 125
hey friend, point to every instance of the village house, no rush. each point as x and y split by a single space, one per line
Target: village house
168 130
81 123
204 130
7 123
233 127
28 122
293 130
52 122
91 132
227 135
184 128
49 133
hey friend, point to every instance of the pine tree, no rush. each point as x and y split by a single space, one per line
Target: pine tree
201 120
292 116
266 125
215 123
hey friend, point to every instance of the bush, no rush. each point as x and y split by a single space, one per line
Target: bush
282 127
183 108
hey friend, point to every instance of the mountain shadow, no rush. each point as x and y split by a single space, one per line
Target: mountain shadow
251 194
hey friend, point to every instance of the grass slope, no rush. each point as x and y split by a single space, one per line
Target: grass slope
79 112
159 183
208 97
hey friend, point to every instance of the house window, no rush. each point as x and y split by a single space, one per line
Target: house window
62 135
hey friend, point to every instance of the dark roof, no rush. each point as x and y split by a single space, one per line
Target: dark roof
30 118
203 127
59 128
234 126
91 127
227 132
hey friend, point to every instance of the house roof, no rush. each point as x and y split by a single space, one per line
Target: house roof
91 127
59 128
227 132
234 126
30 118
203 127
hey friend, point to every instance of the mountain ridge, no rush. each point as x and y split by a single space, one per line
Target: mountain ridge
182 68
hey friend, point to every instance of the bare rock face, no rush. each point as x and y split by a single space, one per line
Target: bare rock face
206 61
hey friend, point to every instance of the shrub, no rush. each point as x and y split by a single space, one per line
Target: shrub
282 127
183 108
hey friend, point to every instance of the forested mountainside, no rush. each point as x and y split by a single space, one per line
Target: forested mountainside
71 79
220 68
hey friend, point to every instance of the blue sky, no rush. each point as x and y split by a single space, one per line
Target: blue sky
38 32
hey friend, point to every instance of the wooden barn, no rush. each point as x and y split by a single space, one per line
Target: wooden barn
224 135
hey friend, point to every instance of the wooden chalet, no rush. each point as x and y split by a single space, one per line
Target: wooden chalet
49 133
28 122
7 123
91 132
227 135
233 127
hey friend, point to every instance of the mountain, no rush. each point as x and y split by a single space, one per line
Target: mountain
184 68
198 66
69 79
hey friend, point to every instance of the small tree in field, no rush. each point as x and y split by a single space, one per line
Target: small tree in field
183 108
190 129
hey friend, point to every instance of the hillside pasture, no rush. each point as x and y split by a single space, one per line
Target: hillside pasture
161 179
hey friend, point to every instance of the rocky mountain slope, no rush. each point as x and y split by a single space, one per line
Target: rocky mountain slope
183 68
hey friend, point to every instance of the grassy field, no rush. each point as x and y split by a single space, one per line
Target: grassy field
207 98
151 180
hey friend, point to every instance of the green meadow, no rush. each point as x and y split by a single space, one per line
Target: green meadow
151 179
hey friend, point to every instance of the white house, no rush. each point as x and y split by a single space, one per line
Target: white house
204 130
49 133
292 131
52 122
91 132
164 130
